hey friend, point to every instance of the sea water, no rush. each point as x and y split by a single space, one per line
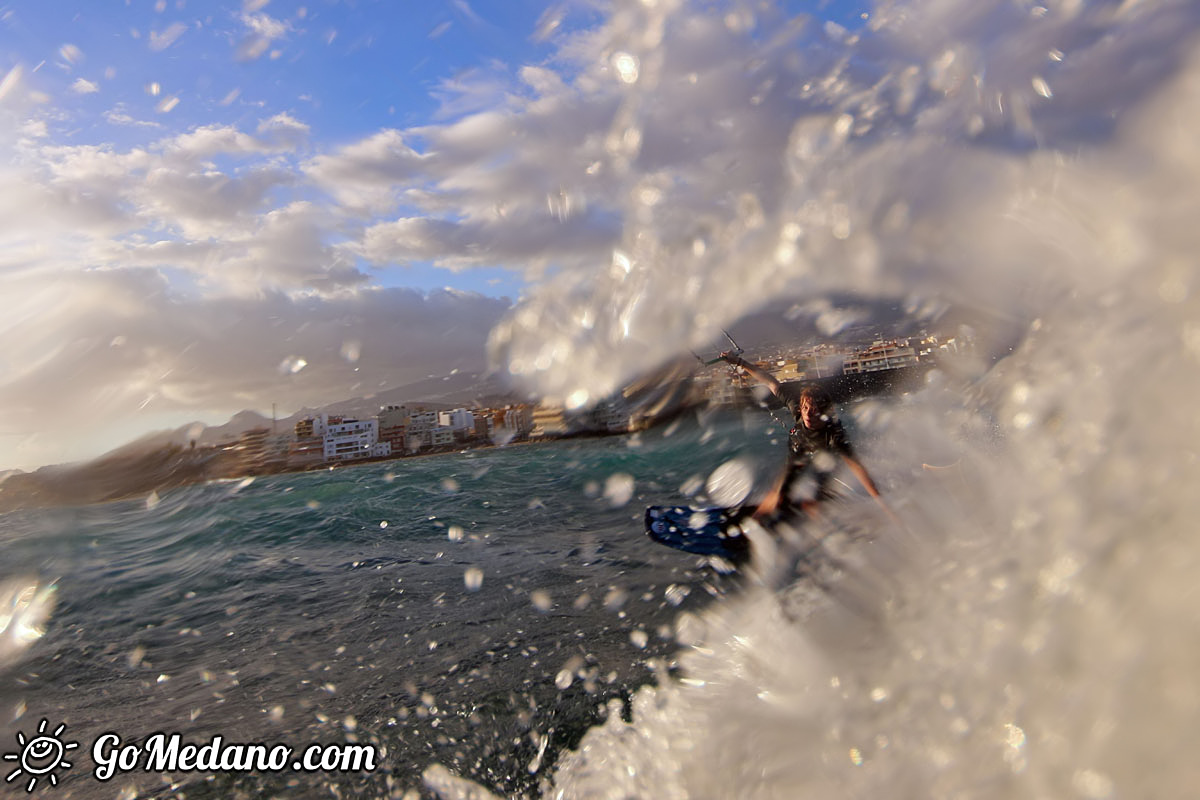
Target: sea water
1031 627
477 610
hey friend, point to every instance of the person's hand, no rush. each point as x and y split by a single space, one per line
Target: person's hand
768 506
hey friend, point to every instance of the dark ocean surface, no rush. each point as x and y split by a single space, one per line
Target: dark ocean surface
477 610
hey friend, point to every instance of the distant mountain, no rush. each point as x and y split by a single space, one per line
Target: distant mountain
462 389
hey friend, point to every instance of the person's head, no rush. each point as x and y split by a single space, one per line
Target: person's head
815 404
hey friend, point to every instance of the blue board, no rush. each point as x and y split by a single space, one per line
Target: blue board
703 531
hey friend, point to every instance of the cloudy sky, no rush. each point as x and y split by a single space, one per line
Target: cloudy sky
212 206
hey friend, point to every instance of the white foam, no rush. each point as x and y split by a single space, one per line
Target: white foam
1035 632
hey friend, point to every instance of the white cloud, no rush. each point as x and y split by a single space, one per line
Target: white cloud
284 132
528 243
261 31
88 350
82 86
206 203
266 26
214 140
117 116
100 207
369 173
35 129
161 40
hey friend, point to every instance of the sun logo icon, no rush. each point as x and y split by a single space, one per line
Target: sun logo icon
40 756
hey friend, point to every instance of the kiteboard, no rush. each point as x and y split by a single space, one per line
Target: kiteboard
703 531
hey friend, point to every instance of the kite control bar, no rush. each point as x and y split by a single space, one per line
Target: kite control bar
737 351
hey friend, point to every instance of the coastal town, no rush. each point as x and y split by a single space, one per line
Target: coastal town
324 440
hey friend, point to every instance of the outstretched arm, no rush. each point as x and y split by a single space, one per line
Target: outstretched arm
861 473
864 478
760 375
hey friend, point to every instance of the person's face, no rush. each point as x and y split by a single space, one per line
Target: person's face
809 413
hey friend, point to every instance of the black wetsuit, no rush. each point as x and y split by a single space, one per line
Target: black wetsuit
815 453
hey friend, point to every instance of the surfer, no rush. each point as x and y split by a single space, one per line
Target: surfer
815 443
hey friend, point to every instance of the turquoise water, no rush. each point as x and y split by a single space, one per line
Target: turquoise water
475 610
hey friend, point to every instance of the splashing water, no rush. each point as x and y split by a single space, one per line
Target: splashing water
25 605
1033 632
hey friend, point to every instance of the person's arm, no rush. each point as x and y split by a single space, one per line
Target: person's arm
861 473
770 501
760 375
864 478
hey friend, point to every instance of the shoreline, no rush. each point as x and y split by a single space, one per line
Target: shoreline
125 477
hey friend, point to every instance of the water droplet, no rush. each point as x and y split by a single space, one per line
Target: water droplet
70 53
473 579
577 399
541 600
352 351
675 594
615 598
292 364
730 483
618 489
626 66
134 659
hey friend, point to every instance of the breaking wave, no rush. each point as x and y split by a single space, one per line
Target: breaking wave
1031 168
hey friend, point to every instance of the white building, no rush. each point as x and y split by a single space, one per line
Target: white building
352 438
881 356
460 419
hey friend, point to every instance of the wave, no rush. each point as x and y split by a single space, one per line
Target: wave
1030 631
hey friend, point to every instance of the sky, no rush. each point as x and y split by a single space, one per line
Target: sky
215 206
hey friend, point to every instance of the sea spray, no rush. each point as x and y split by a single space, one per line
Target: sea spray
1031 632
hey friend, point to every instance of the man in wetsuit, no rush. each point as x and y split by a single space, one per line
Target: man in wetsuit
816 442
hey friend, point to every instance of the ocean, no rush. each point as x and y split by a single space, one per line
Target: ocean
1024 173
477 610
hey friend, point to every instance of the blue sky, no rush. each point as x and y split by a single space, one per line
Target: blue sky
218 206
135 72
